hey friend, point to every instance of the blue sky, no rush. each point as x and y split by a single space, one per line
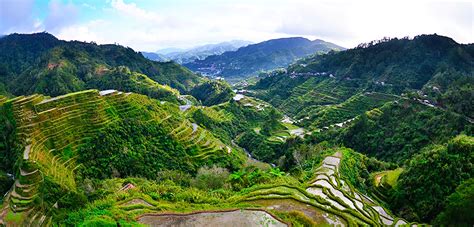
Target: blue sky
155 24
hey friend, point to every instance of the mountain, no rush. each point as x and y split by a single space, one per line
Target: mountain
262 56
40 63
94 135
213 92
183 56
431 68
154 56
169 50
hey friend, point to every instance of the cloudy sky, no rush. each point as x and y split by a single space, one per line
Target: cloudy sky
155 24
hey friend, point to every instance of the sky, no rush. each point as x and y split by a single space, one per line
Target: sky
150 25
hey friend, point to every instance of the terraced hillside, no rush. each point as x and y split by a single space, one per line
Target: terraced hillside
315 92
327 115
248 122
327 199
329 193
414 67
56 133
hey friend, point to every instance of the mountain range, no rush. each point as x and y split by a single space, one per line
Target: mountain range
183 56
254 58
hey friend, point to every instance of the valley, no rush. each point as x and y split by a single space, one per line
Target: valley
99 135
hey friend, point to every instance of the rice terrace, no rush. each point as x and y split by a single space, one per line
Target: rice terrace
236 113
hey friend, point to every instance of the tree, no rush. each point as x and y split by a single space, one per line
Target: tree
459 206
210 178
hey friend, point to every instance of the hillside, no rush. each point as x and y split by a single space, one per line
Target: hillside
428 67
58 142
40 63
407 102
62 145
262 56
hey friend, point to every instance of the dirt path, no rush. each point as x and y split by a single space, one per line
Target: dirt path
377 179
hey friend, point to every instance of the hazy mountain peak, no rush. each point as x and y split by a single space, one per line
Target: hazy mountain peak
199 52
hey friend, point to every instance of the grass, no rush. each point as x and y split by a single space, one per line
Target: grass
290 126
389 177
14 217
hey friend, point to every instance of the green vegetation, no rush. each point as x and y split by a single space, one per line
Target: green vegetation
85 135
397 131
459 206
349 109
436 171
212 92
210 178
388 178
40 63
437 65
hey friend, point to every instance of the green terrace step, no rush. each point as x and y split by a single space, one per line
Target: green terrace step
35 219
331 194
66 100
16 195
184 133
202 135
26 190
51 125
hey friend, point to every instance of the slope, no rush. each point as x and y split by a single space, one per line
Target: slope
40 63
90 134
431 68
262 56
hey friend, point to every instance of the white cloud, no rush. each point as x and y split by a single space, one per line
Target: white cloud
87 32
198 22
134 12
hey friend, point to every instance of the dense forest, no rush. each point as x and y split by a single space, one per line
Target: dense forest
40 63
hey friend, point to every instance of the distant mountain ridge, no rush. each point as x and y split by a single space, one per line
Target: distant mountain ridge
266 55
182 56
154 56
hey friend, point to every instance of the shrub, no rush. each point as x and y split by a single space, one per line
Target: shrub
178 177
210 178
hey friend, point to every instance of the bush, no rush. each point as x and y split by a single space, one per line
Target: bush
178 177
210 178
